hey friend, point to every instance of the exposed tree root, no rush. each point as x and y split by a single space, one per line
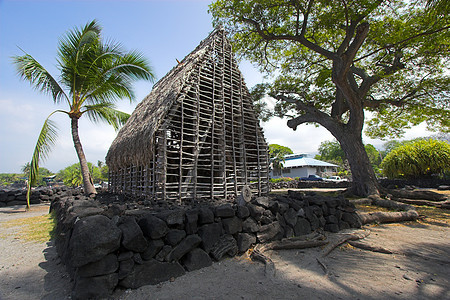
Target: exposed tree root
362 201
388 217
417 195
269 266
368 247
322 265
312 240
345 237
378 201
293 244
408 212
444 204
407 253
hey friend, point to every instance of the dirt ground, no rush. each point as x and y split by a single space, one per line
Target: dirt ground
32 270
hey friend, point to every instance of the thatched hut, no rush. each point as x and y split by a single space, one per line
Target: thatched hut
195 135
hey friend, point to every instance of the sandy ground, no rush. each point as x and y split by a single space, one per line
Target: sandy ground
33 271
29 270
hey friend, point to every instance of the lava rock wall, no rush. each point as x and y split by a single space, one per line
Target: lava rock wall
117 245
10 197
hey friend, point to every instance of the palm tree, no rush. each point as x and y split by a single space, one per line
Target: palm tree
26 169
94 75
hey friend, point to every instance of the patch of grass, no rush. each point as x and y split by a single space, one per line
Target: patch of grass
372 208
32 229
433 215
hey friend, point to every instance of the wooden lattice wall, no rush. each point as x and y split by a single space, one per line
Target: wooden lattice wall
209 144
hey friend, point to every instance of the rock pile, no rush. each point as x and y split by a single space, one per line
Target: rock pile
302 184
10 197
109 246
419 182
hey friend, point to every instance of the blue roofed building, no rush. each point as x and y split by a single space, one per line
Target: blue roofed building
299 165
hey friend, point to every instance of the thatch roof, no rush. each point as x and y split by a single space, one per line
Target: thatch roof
132 145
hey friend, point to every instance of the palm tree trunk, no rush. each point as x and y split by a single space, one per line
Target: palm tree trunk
87 179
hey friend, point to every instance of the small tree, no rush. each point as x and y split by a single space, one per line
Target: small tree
332 152
72 176
421 158
277 154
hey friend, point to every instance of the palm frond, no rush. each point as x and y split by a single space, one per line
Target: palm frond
116 77
113 88
105 112
30 69
46 140
134 65
75 52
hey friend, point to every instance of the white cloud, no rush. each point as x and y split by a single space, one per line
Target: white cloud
306 139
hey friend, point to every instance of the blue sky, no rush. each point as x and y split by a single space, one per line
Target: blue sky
163 30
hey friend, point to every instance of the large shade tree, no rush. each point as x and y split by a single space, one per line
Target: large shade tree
333 61
94 74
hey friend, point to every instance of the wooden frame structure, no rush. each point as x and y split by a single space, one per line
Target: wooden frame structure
195 135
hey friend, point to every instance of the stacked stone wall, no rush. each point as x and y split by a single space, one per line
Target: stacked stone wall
303 184
106 246
421 182
10 197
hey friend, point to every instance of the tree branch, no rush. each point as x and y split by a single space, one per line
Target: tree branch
388 70
266 35
402 42
399 103
360 72
361 33
350 31
312 114
305 18
339 106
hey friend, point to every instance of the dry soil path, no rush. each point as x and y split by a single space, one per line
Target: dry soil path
29 270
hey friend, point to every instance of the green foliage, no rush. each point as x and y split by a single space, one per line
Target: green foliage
333 61
400 68
9 178
46 140
277 151
391 145
277 154
257 93
71 175
421 158
438 8
26 169
374 155
282 179
332 152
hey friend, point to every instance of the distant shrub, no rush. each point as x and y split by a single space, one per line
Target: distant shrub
421 158
282 179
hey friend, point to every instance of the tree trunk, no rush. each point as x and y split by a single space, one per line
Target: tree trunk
88 184
364 180
388 217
